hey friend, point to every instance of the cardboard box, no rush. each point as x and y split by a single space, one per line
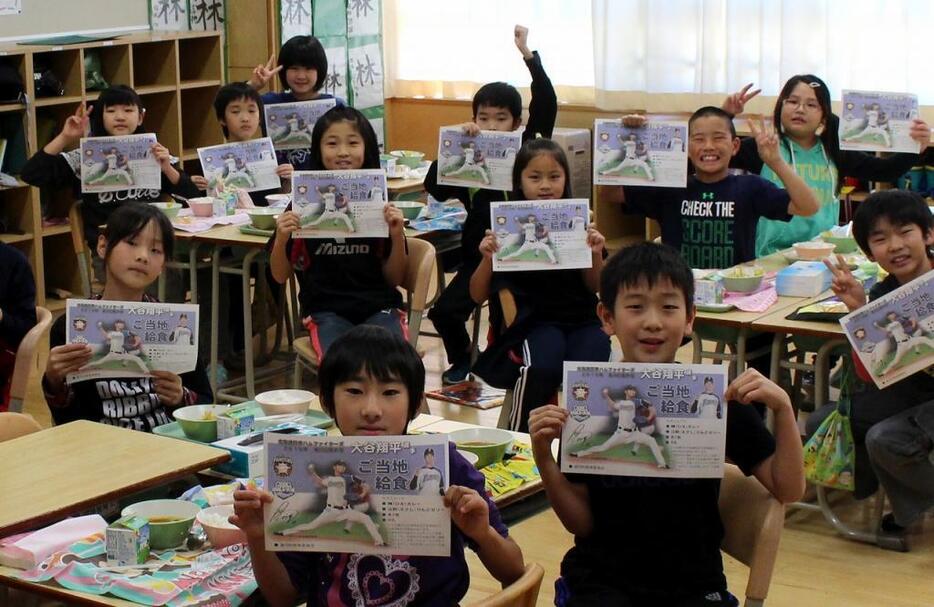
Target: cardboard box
235 421
127 541
248 461
803 279
576 146
708 291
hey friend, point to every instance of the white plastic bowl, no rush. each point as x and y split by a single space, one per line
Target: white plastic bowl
220 532
276 402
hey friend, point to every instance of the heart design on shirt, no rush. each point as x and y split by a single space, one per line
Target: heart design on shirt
381 581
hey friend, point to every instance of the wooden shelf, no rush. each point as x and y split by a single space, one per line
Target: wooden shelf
197 84
12 238
53 304
189 154
55 230
155 88
66 100
171 93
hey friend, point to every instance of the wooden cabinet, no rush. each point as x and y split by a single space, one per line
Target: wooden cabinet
177 76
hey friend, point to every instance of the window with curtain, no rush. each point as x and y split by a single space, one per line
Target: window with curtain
640 53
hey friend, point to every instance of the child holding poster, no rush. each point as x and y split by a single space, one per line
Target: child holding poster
118 112
342 283
895 424
808 132
646 300
302 68
372 384
497 106
556 308
134 246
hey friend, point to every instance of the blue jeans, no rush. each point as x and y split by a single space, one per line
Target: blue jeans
325 327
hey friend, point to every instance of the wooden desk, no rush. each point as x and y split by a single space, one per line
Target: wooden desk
65 469
54 591
398 187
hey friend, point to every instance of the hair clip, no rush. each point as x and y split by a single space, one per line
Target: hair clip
814 85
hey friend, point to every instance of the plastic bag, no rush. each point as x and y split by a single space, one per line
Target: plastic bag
829 456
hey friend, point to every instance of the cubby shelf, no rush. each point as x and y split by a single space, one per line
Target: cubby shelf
175 74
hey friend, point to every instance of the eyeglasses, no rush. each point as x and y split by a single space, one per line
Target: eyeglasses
793 103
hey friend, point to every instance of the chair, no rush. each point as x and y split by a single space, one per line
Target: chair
521 593
753 520
13 425
418 272
507 303
27 359
82 251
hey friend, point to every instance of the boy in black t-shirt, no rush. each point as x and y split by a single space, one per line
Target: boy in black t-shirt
656 541
712 221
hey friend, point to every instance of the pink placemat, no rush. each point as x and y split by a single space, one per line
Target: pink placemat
759 300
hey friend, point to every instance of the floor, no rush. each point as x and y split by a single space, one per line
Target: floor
814 567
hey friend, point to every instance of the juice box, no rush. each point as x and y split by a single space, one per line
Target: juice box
235 421
127 541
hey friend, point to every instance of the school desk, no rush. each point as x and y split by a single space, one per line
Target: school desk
400 186
52 590
64 469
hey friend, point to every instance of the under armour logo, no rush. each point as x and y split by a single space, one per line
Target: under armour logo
707 196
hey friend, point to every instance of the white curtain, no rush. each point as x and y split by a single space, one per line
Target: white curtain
618 54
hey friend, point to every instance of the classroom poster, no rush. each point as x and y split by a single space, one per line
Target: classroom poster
294 18
365 61
340 204
652 155
358 494
875 121
894 335
483 161
206 15
248 165
335 83
131 339
116 164
330 18
363 17
540 235
655 420
289 125
168 15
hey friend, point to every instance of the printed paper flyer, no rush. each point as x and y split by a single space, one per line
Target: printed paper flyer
875 121
631 419
541 235
359 494
248 165
131 339
114 164
484 161
289 125
652 155
894 335
340 204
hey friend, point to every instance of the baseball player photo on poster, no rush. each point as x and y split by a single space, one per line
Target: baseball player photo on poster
359 494
290 124
874 121
114 164
653 155
248 165
631 419
483 161
894 335
340 204
540 235
131 339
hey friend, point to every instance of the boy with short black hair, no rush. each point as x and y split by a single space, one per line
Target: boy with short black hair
497 106
894 228
712 221
662 535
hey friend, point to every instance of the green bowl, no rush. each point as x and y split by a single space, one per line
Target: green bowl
163 536
740 284
195 426
170 209
488 444
409 158
845 244
409 208
264 218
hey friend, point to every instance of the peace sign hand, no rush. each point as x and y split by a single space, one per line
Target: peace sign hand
76 125
263 73
844 285
735 103
766 142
